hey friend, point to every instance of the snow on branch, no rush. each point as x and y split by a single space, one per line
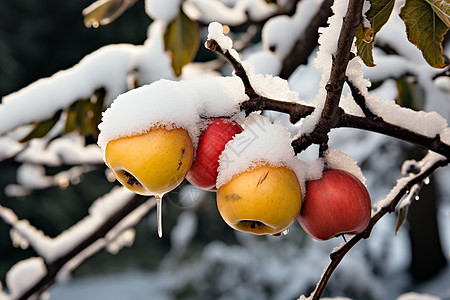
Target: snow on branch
436 139
108 67
108 224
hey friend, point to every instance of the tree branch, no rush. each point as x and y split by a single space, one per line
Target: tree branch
55 266
359 99
297 111
402 188
337 78
307 43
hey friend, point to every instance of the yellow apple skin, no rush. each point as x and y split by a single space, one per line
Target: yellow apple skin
265 200
152 163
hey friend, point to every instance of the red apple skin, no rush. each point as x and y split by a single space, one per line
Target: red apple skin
336 204
219 131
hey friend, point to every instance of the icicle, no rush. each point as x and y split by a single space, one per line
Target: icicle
159 214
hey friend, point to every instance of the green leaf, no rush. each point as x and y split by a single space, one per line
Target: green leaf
377 15
42 128
441 9
402 214
97 103
103 12
425 29
84 115
409 93
181 41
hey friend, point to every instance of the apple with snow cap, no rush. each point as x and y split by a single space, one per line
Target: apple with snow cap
152 163
336 204
219 131
264 200
258 186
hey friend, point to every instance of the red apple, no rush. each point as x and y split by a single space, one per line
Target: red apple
219 131
338 203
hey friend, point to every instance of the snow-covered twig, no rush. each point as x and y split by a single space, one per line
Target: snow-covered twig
108 218
429 164
359 99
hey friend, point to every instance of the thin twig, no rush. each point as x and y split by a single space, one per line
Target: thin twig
359 99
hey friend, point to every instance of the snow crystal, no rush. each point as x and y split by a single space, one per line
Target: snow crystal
172 104
165 10
212 10
261 142
24 274
280 33
215 32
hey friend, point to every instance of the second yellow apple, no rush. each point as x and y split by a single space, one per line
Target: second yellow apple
264 200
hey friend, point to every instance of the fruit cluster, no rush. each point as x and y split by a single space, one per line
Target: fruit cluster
259 187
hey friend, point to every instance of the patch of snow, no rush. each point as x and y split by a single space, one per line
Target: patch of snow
209 11
165 10
24 275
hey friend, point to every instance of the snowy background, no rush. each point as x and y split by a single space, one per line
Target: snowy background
54 181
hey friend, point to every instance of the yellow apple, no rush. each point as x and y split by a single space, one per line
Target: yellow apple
265 200
152 163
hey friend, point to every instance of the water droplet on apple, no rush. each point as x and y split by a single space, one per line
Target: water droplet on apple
286 231
159 214
426 181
